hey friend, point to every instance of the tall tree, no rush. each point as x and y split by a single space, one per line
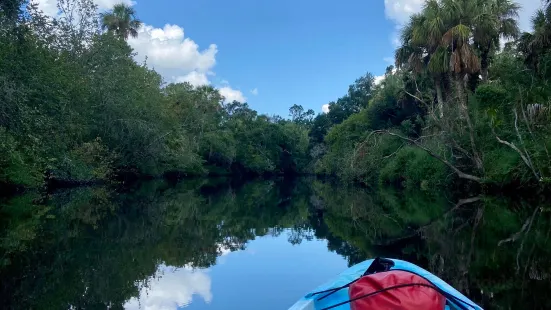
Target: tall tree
122 21
421 50
533 45
440 39
461 18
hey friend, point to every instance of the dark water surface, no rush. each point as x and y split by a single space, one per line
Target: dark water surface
214 244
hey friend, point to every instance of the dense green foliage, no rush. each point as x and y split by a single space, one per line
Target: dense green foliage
75 106
455 105
92 247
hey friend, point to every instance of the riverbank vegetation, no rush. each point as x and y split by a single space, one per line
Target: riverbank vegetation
456 105
77 108
459 104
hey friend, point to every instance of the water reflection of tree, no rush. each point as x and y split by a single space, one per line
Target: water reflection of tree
493 249
96 245
92 247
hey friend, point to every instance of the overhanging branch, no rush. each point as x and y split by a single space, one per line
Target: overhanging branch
459 173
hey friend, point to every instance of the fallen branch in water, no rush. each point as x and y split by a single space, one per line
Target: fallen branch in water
463 202
514 237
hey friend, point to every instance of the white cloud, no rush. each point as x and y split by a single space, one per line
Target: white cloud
194 78
254 91
173 55
325 108
170 53
231 94
379 79
48 7
171 288
400 10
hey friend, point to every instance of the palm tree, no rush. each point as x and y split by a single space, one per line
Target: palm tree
432 30
421 48
532 45
498 18
463 60
410 54
122 21
440 39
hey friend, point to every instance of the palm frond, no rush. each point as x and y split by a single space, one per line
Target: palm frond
470 61
439 61
135 24
133 33
121 20
401 56
509 28
415 61
539 20
459 34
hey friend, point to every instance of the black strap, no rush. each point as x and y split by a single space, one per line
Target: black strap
337 289
377 292
451 298
445 294
378 265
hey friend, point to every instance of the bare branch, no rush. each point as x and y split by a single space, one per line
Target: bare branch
526 227
417 98
528 125
463 202
516 149
522 143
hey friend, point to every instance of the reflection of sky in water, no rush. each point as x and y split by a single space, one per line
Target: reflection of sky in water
172 288
270 274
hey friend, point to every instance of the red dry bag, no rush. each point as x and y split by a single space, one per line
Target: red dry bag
395 290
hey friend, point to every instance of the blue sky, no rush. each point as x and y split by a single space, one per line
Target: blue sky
292 52
272 54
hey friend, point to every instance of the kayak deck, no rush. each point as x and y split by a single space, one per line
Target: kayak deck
310 302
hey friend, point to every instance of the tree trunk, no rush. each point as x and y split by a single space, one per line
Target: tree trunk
484 64
461 93
439 97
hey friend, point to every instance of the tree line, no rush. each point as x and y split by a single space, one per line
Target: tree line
458 104
76 107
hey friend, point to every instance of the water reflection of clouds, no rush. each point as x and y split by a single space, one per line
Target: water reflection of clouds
172 288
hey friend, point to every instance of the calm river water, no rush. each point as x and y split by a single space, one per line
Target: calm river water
216 244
